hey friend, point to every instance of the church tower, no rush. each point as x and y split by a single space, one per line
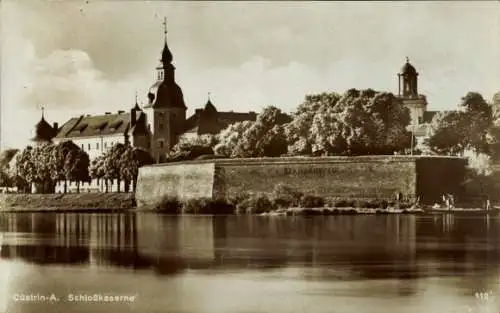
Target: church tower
43 132
408 93
166 110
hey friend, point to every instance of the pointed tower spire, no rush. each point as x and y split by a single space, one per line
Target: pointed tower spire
165 28
166 55
136 106
42 107
407 60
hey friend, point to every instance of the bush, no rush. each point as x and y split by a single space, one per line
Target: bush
255 204
284 196
311 212
207 206
310 201
342 203
169 205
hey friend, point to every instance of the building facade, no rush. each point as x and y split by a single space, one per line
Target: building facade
420 117
156 127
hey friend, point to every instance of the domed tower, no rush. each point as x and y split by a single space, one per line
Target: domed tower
43 132
408 92
166 109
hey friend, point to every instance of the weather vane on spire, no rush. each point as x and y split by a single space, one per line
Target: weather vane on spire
407 60
209 96
165 28
42 107
136 97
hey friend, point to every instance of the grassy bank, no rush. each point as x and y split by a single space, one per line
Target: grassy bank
291 204
279 203
67 202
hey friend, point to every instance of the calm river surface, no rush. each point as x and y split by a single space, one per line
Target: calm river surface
204 264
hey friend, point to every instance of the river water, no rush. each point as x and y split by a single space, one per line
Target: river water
248 264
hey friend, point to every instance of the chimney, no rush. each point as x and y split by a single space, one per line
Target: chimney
120 112
107 113
133 117
55 126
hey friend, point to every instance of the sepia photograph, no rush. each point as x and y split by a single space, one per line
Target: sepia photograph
249 156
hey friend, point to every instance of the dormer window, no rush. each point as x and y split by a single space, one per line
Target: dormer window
81 127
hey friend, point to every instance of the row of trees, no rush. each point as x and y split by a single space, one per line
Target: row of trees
475 126
43 166
120 163
358 122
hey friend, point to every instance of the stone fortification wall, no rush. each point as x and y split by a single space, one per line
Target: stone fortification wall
339 177
181 180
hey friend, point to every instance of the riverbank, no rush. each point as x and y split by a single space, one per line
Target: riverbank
255 205
71 202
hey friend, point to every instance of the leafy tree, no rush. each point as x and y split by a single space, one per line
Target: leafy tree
471 128
301 139
258 139
187 143
96 169
355 123
447 133
228 138
59 155
76 167
493 134
130 162
480 117
25 168
7 174
6 156
42 158
192 147
327 134
5 179
112 164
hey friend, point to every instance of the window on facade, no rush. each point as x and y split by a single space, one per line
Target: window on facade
82 147
89 146
149 144
97 145
105 145
161 144
160 126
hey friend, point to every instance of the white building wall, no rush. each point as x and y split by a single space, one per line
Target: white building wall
95 146
94 186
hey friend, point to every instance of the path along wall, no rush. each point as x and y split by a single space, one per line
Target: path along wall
340 177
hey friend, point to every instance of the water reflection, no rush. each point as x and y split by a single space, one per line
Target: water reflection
332 253
363 247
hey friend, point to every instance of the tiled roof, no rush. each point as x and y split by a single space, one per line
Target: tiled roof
223 119
95 125
233 117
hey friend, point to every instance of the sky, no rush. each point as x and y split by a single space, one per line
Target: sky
90 57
